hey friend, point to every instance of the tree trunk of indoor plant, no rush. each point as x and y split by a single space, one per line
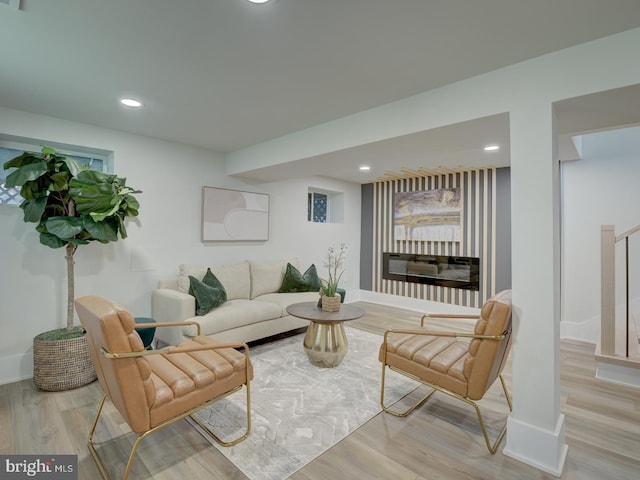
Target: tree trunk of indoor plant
71 249
61 357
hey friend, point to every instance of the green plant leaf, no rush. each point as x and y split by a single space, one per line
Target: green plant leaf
74 166
59 182
30 190
47 150
51 240
123 231
65 227
100 216
94 194
78 241
91 177
25 173
23 159
132 206
33 209
103 231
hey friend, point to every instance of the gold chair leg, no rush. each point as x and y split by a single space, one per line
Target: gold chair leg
92 449
230 443
491 447
392 412
142 436
94 453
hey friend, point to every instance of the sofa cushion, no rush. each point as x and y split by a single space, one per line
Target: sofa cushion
266 277
233 314
294 281
183 276
286 299
209 293
235 278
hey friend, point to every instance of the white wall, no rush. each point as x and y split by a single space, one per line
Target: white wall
166 233
600 189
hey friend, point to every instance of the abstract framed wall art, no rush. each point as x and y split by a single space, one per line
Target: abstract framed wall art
233 215
428 215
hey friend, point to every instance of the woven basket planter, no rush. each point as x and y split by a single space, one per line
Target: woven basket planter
62 364
331 304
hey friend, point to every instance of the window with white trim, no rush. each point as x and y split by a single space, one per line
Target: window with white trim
325 206
11 147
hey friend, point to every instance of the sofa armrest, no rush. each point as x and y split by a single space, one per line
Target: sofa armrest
171 306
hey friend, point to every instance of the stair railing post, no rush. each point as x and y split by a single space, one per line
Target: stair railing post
607 291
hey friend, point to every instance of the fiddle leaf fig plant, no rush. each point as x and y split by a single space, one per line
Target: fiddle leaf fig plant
70 204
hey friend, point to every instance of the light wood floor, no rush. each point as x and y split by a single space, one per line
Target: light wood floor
441 440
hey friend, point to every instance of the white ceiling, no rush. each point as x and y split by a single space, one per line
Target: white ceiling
227 74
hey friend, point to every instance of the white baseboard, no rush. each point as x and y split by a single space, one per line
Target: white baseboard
542 449
14 368
587 331
407 303
627 376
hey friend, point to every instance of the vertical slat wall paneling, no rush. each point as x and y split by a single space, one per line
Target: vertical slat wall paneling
478 225
420 247
389 237
376 274
486 250
478 236
385 227
468 192
494 185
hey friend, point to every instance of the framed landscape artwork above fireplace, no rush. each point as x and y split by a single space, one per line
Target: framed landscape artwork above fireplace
428 215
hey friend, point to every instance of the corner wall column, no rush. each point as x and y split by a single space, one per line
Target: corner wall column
535 433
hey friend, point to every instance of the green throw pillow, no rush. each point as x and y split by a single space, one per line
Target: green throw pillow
209 293
294 281
211 280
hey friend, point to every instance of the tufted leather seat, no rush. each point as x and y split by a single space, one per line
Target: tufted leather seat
461 368
155 388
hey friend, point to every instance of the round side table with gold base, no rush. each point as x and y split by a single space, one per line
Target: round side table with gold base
325 342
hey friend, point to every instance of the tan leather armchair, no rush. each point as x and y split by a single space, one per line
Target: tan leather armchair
153 389
441 360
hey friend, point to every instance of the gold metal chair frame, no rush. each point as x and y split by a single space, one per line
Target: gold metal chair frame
492 447
167 351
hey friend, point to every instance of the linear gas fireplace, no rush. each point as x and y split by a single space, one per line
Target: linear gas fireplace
440 270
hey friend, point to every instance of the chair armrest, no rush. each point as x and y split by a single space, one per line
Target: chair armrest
448 315
171 306
169 324
172 349
444 334
209 347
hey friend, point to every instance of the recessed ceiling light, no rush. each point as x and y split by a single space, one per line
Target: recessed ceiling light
131 102
491 148
364 168
258 1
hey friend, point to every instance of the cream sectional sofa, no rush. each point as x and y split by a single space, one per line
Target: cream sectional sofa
254 309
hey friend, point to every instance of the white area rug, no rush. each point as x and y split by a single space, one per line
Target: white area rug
299 410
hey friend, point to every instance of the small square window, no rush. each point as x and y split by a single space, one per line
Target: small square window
325 206
318 205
